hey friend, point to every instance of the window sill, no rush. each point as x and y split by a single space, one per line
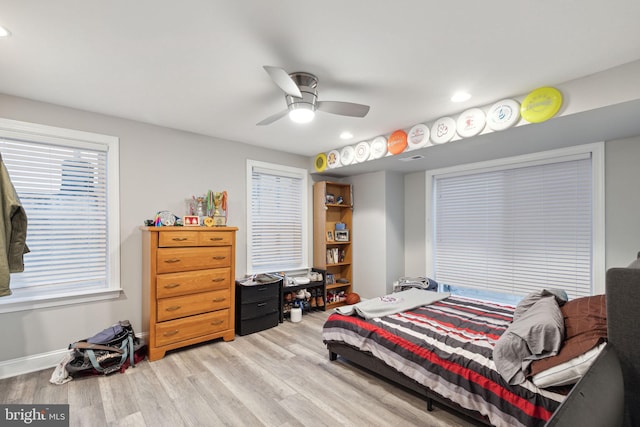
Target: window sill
24 301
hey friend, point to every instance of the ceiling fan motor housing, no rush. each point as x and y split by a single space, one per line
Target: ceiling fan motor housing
308 85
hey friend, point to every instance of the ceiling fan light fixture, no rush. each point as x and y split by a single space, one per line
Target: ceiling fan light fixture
301 114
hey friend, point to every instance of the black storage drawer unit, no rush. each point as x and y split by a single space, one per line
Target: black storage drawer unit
257 324
256 292
257 305
252 310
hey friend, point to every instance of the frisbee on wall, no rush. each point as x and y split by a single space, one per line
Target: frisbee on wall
320 162
347 155
378 147
470 122
443 130
397 142
503 114
541 104
362 151
418 137
333 159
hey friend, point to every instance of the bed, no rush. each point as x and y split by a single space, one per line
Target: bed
444 352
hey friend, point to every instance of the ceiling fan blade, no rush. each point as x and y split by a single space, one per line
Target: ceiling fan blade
343 108
273 118
283 80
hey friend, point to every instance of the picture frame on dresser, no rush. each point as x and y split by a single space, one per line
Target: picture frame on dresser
190 221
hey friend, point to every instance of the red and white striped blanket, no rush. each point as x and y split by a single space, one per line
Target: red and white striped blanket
447 346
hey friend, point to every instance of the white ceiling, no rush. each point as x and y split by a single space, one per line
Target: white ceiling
196 65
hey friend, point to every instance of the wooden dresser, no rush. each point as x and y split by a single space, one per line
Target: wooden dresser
188 286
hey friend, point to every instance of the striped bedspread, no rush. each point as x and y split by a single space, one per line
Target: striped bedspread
447 347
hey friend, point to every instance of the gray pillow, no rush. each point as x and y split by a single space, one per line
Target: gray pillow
537 332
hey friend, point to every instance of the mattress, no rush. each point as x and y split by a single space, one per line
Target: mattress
447 347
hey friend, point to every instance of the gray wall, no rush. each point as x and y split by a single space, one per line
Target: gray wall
159 168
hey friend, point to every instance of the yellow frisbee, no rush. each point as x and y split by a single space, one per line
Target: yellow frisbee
541 104
321 162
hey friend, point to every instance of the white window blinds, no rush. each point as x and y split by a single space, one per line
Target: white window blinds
516 229
63 190
276 218
67 181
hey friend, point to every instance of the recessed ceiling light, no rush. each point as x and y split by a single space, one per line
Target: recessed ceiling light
346 135
4 32
460 97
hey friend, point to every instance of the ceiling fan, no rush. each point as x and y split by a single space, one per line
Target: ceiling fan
301 94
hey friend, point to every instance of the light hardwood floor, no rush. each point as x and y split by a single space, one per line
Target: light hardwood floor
278 377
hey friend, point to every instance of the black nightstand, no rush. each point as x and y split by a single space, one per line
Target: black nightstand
257 306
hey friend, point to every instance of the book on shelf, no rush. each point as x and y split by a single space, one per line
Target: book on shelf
333 256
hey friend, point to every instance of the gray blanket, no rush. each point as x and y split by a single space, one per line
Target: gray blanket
537 331
392 303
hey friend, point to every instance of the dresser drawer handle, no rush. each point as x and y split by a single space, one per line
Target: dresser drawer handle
216 239
218 279
170 333
171 285
219 257
179 239
217 322
262 304
172 260
219 299
173 308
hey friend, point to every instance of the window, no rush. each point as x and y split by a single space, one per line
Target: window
67 182
521 224
276 218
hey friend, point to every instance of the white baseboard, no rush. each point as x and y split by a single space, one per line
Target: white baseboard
38 362
27 364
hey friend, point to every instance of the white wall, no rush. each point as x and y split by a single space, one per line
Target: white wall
378 237
415 257
622 193
394 228
369 237
159 168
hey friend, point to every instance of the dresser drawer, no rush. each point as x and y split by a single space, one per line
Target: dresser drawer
215 239
189 282
192 327
173 308
178 238
171 260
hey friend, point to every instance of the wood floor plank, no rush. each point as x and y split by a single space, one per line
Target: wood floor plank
156 406
116 393
229 408
133 420
278 377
